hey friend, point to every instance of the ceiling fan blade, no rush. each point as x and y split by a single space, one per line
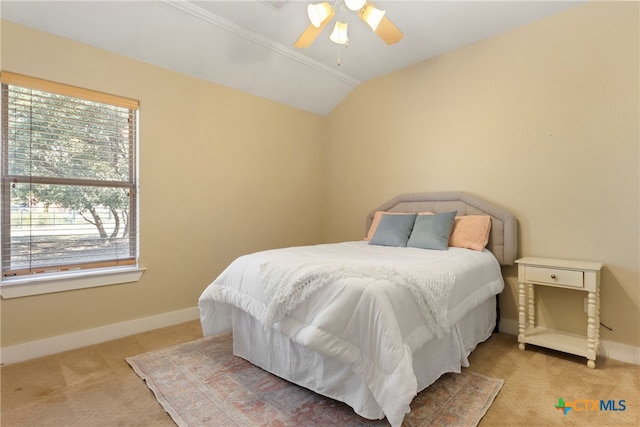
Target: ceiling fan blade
388 32
384 28
307 37
310 34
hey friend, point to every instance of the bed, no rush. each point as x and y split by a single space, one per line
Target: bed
371 322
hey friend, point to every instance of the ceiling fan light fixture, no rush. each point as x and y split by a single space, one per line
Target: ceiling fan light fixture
318 13
372 16
339 34
355 5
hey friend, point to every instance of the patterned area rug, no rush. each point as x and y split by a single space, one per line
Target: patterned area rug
201 383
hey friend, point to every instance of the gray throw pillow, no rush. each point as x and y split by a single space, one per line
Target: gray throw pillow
393 230
432 231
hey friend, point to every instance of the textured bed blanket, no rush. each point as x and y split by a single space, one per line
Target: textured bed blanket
288 282
369 307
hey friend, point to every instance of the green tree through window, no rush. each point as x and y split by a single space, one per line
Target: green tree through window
69 186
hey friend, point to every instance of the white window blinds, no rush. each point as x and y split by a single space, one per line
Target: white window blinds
69 190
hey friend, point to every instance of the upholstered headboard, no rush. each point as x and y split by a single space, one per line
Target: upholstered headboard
503 240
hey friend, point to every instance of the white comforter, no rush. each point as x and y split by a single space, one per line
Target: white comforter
371 321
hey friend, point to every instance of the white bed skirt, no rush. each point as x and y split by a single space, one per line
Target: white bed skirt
275 353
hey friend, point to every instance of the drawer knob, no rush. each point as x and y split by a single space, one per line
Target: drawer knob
553 276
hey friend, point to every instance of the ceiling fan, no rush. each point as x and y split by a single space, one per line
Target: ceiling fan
320 15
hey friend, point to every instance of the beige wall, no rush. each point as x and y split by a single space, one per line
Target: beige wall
542 120
221 173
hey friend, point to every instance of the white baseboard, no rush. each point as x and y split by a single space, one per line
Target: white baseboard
47 346
608 349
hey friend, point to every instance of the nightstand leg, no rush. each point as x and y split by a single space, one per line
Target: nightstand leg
522 315
532 306
597 319
593 328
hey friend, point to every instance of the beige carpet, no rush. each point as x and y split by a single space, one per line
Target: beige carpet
201 383
94 385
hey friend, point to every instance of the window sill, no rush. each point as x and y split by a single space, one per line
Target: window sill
59 282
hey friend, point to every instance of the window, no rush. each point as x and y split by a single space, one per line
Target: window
69 180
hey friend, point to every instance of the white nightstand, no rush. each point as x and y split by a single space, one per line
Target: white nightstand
579 275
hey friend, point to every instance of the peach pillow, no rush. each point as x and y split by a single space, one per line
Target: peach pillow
378 215
470 232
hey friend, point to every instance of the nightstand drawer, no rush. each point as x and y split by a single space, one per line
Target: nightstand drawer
555 276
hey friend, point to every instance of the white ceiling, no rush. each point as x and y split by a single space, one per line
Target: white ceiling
248 44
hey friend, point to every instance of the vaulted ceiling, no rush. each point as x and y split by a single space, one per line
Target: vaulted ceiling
248 44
